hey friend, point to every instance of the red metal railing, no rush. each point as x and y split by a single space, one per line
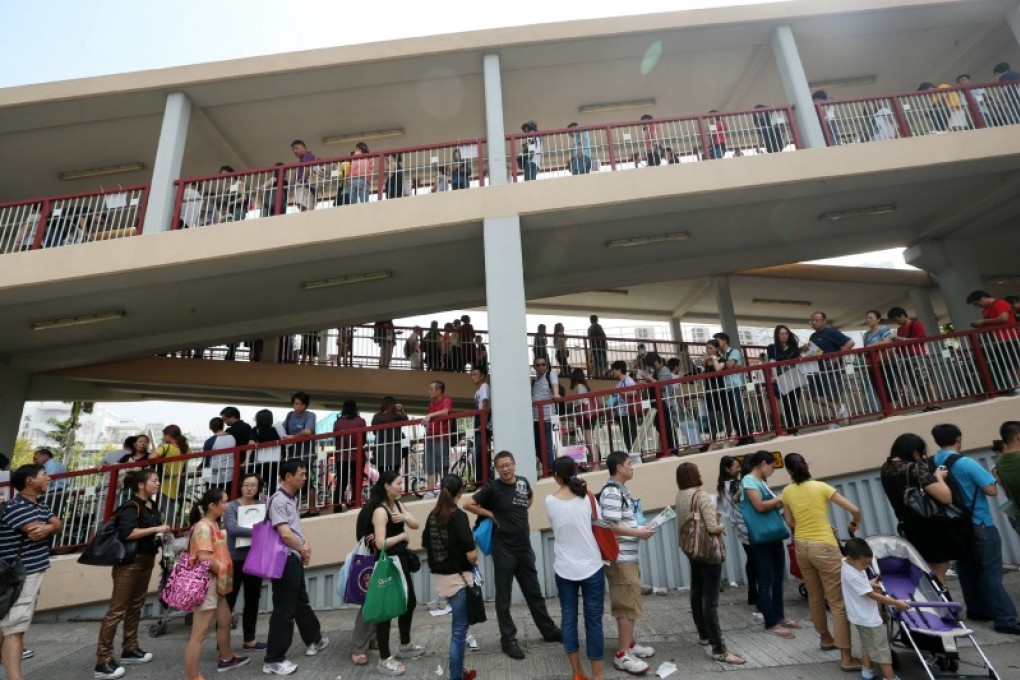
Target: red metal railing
914 114
699 410
661 141
327 183
72 218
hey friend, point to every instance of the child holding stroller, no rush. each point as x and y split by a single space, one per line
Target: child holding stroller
862 599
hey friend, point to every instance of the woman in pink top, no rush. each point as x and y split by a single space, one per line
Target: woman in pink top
716 136
653 141
361 174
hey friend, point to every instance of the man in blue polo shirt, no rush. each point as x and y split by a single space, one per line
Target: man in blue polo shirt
980 568
827 385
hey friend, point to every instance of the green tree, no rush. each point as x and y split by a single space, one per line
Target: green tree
65 432
23 451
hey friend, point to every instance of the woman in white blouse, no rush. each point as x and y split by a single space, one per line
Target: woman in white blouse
578 565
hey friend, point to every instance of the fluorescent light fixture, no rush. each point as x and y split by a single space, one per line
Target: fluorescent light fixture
78 320
344 280
617 106
363 136
647 240
843 82
792 303
101 172
1005 280
837 215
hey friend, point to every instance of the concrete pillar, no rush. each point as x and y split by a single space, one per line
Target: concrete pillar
12 404
494 129
795 83
167 168
1013 18
676 330
724 302
955 269
924 310
271 350
508 347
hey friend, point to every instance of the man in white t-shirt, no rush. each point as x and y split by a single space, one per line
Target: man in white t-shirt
624 575
482 401
544 386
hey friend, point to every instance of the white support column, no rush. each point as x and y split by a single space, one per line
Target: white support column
167 168
795 83
12 403
1013 18
724 302
508 347
954 267
924 310
675 329
494 130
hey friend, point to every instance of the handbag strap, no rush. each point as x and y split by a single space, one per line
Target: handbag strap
594 512
695 510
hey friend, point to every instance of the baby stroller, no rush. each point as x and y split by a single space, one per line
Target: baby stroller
172 547
932 628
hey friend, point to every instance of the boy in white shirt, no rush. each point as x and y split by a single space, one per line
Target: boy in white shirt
862 598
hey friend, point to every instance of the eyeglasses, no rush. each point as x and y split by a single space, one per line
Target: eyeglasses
540 363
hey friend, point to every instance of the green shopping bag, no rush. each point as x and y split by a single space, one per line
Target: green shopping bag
386 597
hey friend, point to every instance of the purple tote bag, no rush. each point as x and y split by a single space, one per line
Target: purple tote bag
268 553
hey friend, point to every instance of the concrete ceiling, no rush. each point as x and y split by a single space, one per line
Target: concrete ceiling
722 62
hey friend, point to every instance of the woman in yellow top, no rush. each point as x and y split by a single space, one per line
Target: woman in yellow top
208 543
807 512
174 445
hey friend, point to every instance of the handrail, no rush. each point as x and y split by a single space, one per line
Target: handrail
80 194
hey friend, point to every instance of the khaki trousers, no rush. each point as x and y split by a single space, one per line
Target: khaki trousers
820 565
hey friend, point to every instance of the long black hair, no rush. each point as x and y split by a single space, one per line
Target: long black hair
797 467
377 494
201 506
906 445
450 486
565 471
724 473
136 478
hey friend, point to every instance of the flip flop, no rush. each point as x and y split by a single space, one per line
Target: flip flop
779 631
790 623
359 659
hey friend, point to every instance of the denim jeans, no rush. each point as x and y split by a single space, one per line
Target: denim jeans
705 579
580 165
543 431
980 572
593 590
530 170
458 603
357 190
770 560
733 403
290 606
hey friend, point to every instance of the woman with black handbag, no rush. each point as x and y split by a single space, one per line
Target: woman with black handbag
139 522
907 471
452 555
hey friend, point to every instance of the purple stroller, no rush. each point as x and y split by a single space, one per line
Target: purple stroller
932 628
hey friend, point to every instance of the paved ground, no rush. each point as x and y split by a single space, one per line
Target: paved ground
66 650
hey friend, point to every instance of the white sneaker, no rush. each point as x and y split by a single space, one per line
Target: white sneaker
472 643
630 664
317 647
642 651
951 573
284 667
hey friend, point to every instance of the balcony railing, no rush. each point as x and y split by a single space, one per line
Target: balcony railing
329 183
662 141
915 114
72 218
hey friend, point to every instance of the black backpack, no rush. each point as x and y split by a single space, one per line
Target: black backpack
624 503
959 500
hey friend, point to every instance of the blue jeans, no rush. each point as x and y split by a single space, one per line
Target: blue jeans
357 190
980 572
593 590
458 603
530 170
770 560
580 165
543 432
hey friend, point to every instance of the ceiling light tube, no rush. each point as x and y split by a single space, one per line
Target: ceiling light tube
363 136
770 301
843 82
837 215
101 172
344 280
647 240
617 106
78 320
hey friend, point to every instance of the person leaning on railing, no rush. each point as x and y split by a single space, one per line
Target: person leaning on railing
174 445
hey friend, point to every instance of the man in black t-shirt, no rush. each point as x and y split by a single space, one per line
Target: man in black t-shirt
506 500
240 430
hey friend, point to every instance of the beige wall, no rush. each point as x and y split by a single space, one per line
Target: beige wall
830 454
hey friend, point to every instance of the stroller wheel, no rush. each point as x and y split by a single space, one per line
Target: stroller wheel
802 589
157 629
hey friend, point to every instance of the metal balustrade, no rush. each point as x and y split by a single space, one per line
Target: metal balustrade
73 218
913 114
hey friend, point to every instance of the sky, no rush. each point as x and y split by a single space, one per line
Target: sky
101 37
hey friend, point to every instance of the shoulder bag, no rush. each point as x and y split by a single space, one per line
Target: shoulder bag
267 556
922 507
763 527
106 549
188 584
356 573
609 547
475 602
12 574
695 540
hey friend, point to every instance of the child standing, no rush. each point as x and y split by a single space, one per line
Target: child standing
860 597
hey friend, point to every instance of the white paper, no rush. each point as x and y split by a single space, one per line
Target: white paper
247 517
666 669
441 612
667 514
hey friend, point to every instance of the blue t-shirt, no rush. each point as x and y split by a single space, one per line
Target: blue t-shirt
972 478
829 339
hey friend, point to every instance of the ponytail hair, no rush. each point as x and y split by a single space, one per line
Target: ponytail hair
136 478
565 471
201 506
449 487
180 440
797 467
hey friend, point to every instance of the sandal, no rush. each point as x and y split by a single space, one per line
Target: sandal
412 650
729 657
359 659
779 631
390 666
703 642
790 623
852 667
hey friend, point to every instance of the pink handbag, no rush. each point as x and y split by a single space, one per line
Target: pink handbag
188 584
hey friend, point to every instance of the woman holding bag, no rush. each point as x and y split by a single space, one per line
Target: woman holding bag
451 550
705 575
807 513
248 502
138 521
206 543
766 531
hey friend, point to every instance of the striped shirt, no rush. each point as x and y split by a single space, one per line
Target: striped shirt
618 508
35 555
